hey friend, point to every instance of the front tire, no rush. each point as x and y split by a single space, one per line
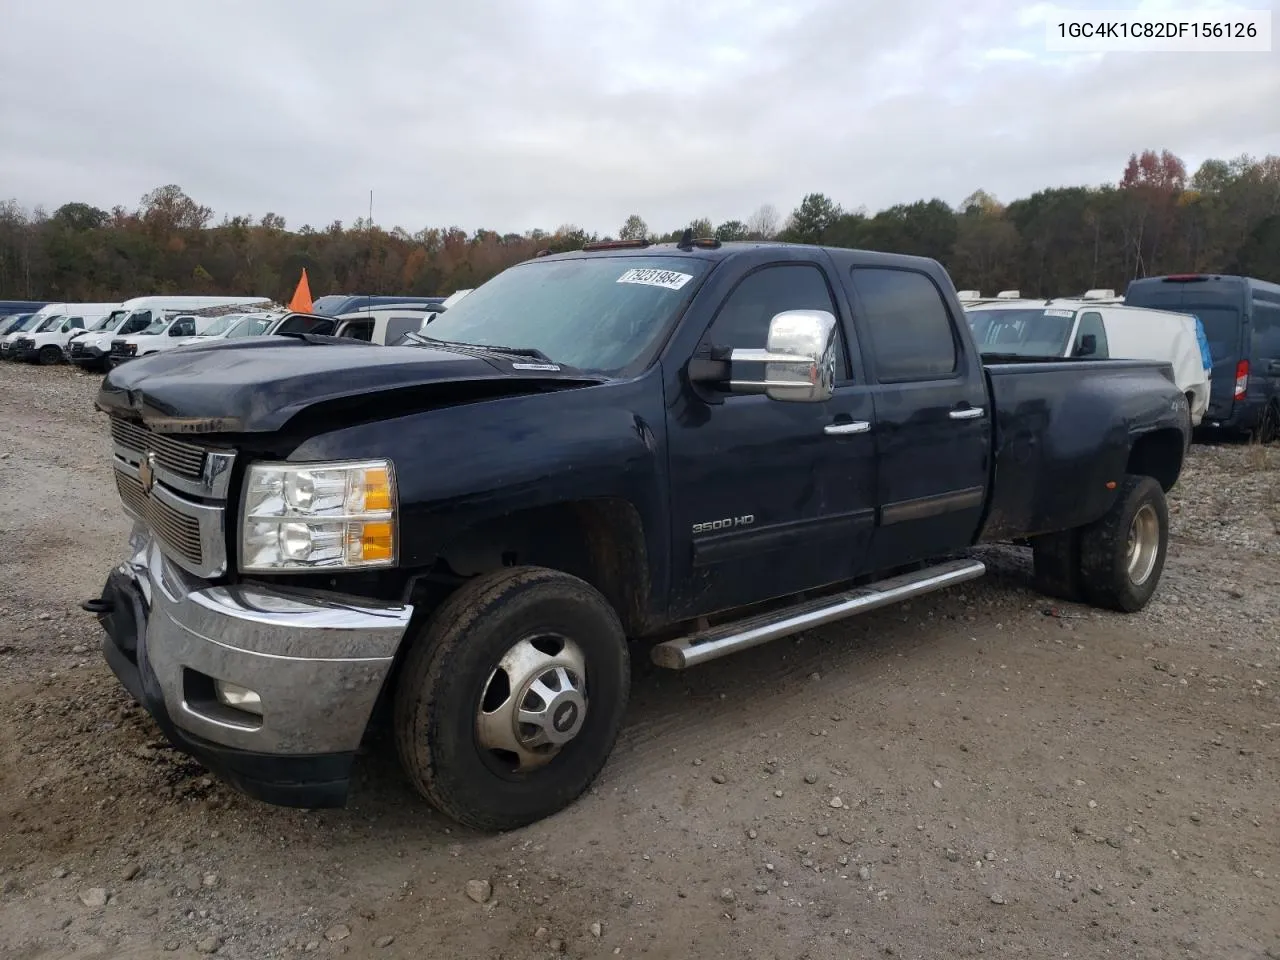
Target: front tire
511 698
1122 554
49 356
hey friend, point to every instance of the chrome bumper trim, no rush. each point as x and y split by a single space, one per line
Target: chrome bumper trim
317 662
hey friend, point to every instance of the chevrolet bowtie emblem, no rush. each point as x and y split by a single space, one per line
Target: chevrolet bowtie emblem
147 472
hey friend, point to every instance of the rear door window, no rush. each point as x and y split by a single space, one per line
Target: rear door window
911 331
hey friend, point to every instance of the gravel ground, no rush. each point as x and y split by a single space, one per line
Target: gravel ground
981 773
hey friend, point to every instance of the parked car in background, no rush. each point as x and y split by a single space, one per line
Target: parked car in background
85 354
36 321
231 326
1059 329
49 344
91 351
1241 317
165 332
382 324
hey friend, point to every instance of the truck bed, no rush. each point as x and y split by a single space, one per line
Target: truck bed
1063 431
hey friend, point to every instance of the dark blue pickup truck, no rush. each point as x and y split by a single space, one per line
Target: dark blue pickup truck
687 449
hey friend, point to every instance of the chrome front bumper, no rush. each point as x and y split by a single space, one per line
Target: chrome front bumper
317 662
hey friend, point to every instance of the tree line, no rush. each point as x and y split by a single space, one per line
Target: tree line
1156 219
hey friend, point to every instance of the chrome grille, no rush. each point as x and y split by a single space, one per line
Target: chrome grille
176 530
185 459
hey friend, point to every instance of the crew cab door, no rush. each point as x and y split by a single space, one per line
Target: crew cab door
768 497
932 425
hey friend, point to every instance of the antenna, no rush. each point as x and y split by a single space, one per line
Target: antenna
370 209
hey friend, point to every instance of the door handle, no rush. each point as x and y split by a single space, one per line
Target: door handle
969 413
843 429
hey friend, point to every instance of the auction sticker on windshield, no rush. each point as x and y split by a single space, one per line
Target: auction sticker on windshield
656 278
1059 313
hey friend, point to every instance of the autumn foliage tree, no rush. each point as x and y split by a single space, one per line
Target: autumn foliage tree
1156 218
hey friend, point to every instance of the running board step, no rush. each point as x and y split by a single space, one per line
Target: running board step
729 638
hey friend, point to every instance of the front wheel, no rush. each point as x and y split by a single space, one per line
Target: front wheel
48 356
1122 554
512 697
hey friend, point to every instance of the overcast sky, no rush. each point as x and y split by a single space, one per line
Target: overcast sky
513 114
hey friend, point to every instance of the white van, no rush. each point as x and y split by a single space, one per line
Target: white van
91 351
35 322
164 333
1088 328
47 343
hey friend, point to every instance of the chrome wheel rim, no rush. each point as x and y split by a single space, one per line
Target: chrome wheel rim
534 702
1144 544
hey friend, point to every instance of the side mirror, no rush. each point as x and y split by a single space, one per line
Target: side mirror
799 360
1088 345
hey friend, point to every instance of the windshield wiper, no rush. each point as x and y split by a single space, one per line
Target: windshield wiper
531 353
321 338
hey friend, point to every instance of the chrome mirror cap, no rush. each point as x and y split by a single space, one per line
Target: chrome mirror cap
799 361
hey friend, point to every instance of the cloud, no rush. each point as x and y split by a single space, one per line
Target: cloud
510 115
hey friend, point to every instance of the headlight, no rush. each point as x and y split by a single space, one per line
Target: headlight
318 516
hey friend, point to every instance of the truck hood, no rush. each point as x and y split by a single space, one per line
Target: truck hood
257 384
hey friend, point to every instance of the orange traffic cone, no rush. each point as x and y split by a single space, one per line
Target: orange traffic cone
301 302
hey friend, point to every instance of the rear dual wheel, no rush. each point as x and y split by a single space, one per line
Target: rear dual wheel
1115 562
512 696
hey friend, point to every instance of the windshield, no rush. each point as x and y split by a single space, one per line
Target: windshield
14 323
1038 332
111 320
221 325
1221 328
250 327
49 323
26 324
598 314
156 326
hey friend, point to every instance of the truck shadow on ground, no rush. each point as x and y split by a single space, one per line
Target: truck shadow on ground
672 715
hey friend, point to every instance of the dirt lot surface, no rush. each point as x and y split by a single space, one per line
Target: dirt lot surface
970 775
